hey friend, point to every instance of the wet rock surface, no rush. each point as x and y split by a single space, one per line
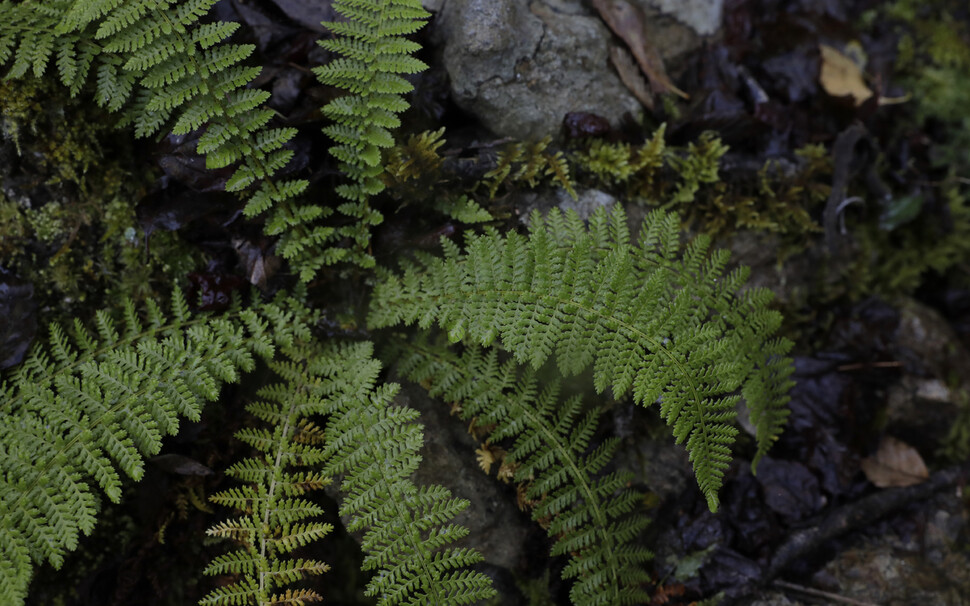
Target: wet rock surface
497 529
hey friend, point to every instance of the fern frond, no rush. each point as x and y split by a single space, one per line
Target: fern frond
275 518
89 408
553 457
406 529
676 331
154 62
373 53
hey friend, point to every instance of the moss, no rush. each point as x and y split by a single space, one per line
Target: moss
699 166
529 163
690 181
68 223
13 229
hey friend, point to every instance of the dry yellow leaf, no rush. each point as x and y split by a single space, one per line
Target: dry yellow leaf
841 76
895 463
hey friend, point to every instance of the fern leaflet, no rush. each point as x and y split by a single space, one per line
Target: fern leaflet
274 520
373 53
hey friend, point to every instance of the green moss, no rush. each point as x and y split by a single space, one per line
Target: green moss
70 228
529 163
690 181
699 166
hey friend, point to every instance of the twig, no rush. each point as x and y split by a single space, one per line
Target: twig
857 514
821 594
865 365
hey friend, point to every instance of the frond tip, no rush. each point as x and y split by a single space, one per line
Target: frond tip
662 321
407 529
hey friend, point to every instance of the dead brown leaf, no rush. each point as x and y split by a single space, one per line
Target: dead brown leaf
631 76
896 463
628 22
840 76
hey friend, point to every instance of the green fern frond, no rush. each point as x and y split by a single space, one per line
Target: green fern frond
86 408
671 330
406 529
157 65
373 54
275 518
551 451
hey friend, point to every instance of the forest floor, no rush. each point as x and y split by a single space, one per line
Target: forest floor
841 174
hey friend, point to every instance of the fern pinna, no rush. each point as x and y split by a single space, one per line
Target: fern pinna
373 53
589 515
161 68
100 403
678 331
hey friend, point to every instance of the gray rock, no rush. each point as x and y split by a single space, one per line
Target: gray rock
703 16
921 406
520 66
930 568
587 201
496 527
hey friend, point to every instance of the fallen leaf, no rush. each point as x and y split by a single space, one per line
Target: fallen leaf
630 75
629 23
258 264
840 76
896 463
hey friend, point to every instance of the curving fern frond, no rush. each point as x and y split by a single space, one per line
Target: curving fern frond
406 529
673 330
373 53
75 415
588 514
162 68
275 519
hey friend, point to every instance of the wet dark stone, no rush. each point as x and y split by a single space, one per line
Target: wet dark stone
18 320
580 125
790 489
213 292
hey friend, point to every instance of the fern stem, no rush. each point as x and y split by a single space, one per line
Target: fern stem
291 416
